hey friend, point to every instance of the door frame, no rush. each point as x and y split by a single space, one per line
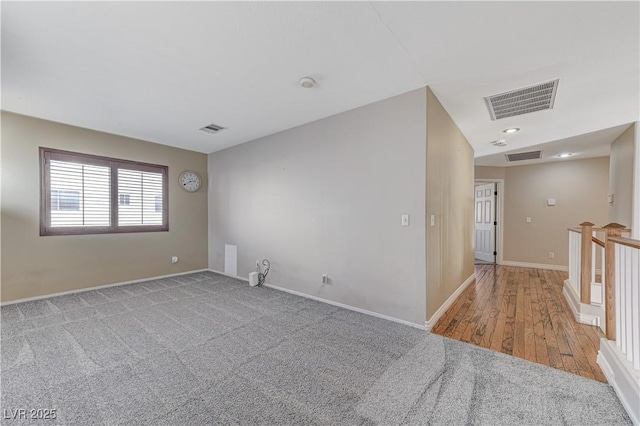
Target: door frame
499 206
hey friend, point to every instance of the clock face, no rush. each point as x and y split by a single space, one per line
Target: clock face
190 181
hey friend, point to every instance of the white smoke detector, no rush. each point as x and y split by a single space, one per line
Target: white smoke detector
307 82
500 142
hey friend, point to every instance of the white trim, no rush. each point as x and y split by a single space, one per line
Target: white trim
583 313
499 217
447 304
572 299
535 265
635 226
229 275
624 379
331 302
82 290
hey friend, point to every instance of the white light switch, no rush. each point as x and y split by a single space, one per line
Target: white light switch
433 220
551 202
528 220
405 220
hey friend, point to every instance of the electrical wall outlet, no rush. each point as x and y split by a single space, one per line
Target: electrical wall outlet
325 279
552 255
174 259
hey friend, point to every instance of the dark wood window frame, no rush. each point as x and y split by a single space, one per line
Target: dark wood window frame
48 154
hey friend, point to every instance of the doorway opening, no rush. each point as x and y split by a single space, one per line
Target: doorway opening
488 194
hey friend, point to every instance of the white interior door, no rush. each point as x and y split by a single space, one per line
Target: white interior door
485 229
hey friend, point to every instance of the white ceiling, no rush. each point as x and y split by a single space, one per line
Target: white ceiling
159 71
590 145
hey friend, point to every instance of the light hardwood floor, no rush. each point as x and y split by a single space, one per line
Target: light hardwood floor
522 312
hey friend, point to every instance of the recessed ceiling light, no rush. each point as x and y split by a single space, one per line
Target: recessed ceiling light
511 130
564 155
307 82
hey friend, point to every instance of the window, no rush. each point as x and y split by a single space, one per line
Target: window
65 200
124 200
87 194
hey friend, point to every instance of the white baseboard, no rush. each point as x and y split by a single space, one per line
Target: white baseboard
583 313
238 277
331 302
447 304
622 377
82 290
535 265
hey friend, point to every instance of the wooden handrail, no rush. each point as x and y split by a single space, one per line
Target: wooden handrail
630 242
578 229
597 241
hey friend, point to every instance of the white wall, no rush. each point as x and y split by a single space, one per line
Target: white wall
635 225
327 197
621 178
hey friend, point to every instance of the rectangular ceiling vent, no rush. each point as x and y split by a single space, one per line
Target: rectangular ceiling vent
213 128
523 101
521 156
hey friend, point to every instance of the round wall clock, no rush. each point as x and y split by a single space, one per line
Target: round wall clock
190 181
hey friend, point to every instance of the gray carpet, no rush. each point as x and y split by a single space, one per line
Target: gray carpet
206 349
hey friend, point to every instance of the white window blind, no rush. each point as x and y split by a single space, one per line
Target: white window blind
140 190
80 194
87 194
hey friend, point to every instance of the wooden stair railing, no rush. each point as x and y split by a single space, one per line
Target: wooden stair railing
612 230
586 262
585 276
586 258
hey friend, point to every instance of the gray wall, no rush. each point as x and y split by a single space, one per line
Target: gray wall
327 198
35 266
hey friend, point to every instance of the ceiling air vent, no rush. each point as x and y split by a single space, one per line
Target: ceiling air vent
521 156
523 101
213 128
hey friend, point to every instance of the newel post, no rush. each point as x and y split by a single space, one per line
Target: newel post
611 230
585 264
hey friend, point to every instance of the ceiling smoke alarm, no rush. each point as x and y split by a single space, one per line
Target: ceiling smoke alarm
499 142
307 82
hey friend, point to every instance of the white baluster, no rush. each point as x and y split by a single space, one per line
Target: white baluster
593 263
619 278
635 308
628 303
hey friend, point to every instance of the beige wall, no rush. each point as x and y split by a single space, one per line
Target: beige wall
621 178
490 172
33 265
450 199
327 198
580 188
